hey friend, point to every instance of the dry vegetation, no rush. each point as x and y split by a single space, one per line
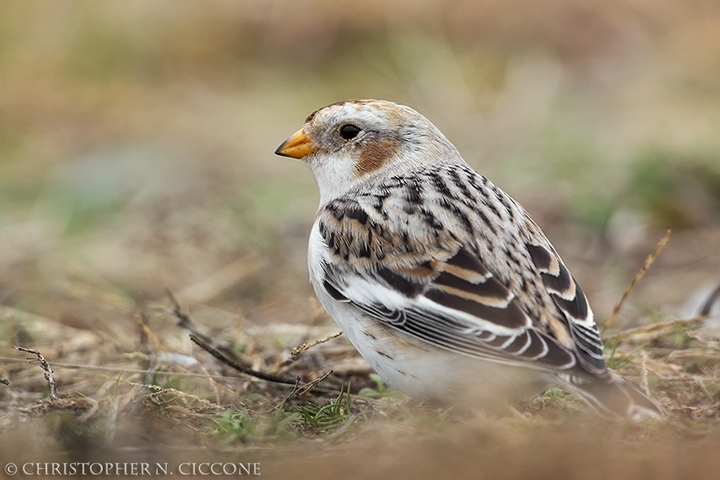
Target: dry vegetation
136 145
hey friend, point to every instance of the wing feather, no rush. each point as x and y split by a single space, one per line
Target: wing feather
570 299
462 307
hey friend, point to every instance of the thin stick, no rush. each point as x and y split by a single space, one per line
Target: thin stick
268 377
147 334
644 373
307 346
300 390
707 306
638 276
46 369
183 317
146 337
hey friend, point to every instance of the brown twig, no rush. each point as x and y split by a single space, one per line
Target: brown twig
46 369
141 320
204 342
644 373
707 306
240 368
301 389
185 321
183 318
298 388
638 276
307 346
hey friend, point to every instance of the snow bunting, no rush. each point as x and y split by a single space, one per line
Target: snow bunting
441 280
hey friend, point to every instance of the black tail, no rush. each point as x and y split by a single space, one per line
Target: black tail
615 396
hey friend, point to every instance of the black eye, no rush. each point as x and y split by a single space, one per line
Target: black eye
349 131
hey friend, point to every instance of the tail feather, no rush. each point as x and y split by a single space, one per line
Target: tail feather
615 396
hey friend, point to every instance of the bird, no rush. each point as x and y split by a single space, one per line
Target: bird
441 280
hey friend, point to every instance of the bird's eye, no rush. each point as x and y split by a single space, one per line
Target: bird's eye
349 131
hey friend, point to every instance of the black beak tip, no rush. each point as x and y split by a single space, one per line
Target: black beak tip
278 151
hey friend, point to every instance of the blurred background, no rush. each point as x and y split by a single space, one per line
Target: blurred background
137 139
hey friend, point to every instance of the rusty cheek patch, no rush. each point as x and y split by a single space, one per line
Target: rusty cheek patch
374 155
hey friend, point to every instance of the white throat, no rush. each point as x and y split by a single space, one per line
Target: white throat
334 175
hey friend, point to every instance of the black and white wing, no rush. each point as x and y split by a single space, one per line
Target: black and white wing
572 303
449 298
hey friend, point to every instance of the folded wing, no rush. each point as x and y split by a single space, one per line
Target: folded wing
454 303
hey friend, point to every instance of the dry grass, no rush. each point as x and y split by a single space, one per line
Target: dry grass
168 397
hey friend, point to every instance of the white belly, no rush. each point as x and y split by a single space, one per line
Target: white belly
429 373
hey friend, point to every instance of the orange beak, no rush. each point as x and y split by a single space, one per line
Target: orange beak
297 146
